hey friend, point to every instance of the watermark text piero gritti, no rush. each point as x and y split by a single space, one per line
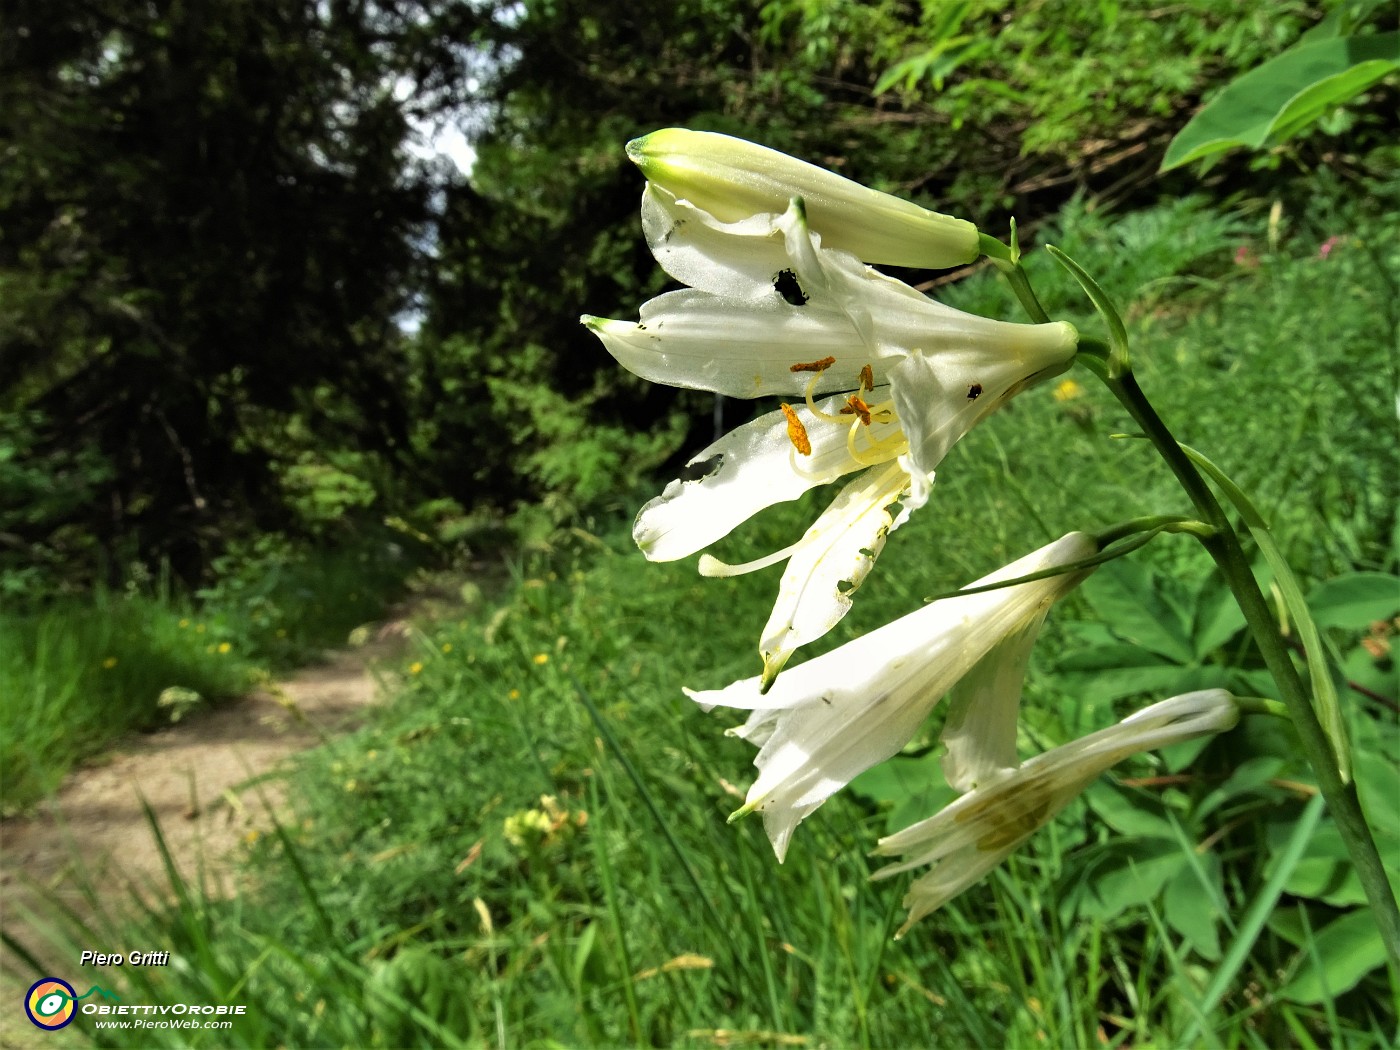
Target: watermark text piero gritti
128 959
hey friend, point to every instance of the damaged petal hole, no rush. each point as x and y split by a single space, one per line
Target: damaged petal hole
700 469
785 284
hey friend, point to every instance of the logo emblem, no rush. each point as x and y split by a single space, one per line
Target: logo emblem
49 1003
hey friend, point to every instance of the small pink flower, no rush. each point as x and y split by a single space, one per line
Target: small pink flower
1245 257
1326 248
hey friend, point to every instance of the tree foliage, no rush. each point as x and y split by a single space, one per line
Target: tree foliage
208 223
234 297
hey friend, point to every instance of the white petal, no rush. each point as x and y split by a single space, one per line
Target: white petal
752 467
980 730
942 394
970 837
741 348
740 260
844 711
830 563
757 728
813 753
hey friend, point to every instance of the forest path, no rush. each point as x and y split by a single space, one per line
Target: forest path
209 779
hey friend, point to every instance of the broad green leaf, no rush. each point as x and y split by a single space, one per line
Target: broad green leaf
1128 876
1113 680
1249 776
913 787
1356 600
1378 784
1380 677
1128 813
1323 872
1284 94
1193 911
1132 603
1218 618
1342 952
1309 106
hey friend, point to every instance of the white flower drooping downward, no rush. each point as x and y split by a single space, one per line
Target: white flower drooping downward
883 379
971 836
835 716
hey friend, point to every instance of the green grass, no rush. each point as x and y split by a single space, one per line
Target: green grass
429 895
77 673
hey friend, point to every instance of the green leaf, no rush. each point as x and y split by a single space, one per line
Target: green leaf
913 787
1127 597
1342 953
1191 910
1285 94
1218 618
1323 871
1356 600
1310 105
1129 875
1378 783
1249 776
1113 671
1133 814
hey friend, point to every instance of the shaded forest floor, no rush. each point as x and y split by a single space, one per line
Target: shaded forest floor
212 781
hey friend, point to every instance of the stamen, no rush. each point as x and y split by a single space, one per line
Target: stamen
797 433
876 451
883 411
867 378
824 416
714 568
855 406
813 366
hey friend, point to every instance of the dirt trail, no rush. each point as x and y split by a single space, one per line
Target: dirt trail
205 780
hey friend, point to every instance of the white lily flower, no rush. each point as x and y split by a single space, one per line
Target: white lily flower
771 311
835 716
971 836
732 179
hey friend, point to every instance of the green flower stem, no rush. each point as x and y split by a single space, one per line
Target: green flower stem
1224 547
1261 705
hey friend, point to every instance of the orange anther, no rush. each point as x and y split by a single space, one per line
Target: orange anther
797 433
867 378
813 366
856 407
